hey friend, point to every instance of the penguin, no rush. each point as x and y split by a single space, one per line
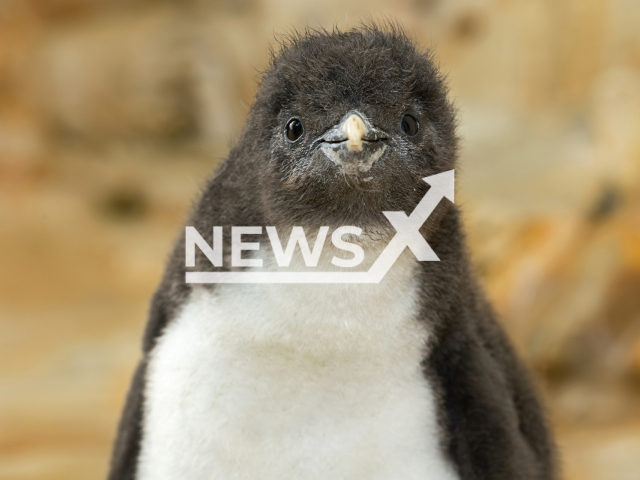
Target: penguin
408 378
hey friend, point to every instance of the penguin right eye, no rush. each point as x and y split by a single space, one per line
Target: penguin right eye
294 130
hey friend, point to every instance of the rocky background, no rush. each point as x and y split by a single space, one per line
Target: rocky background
112 113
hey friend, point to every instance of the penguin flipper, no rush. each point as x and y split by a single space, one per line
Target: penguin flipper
533 424
496 426
124 459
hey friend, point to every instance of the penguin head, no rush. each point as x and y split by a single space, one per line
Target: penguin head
348 124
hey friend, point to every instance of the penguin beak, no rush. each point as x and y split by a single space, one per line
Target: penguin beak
354 144
354 128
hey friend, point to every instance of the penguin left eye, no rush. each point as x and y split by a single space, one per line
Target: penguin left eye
294 130
409 125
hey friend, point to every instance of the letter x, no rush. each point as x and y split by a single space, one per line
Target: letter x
408 229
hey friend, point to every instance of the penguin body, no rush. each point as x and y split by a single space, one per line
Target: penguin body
409 378
282 381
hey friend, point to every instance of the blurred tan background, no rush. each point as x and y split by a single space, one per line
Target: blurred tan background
112 113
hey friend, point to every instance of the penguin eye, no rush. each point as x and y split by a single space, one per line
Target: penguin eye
409 125
294 129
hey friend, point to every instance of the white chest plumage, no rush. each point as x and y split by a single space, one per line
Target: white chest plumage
276 382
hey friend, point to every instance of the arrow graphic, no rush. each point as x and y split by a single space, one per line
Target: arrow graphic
407 236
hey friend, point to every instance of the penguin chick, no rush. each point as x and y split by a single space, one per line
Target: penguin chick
411 378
